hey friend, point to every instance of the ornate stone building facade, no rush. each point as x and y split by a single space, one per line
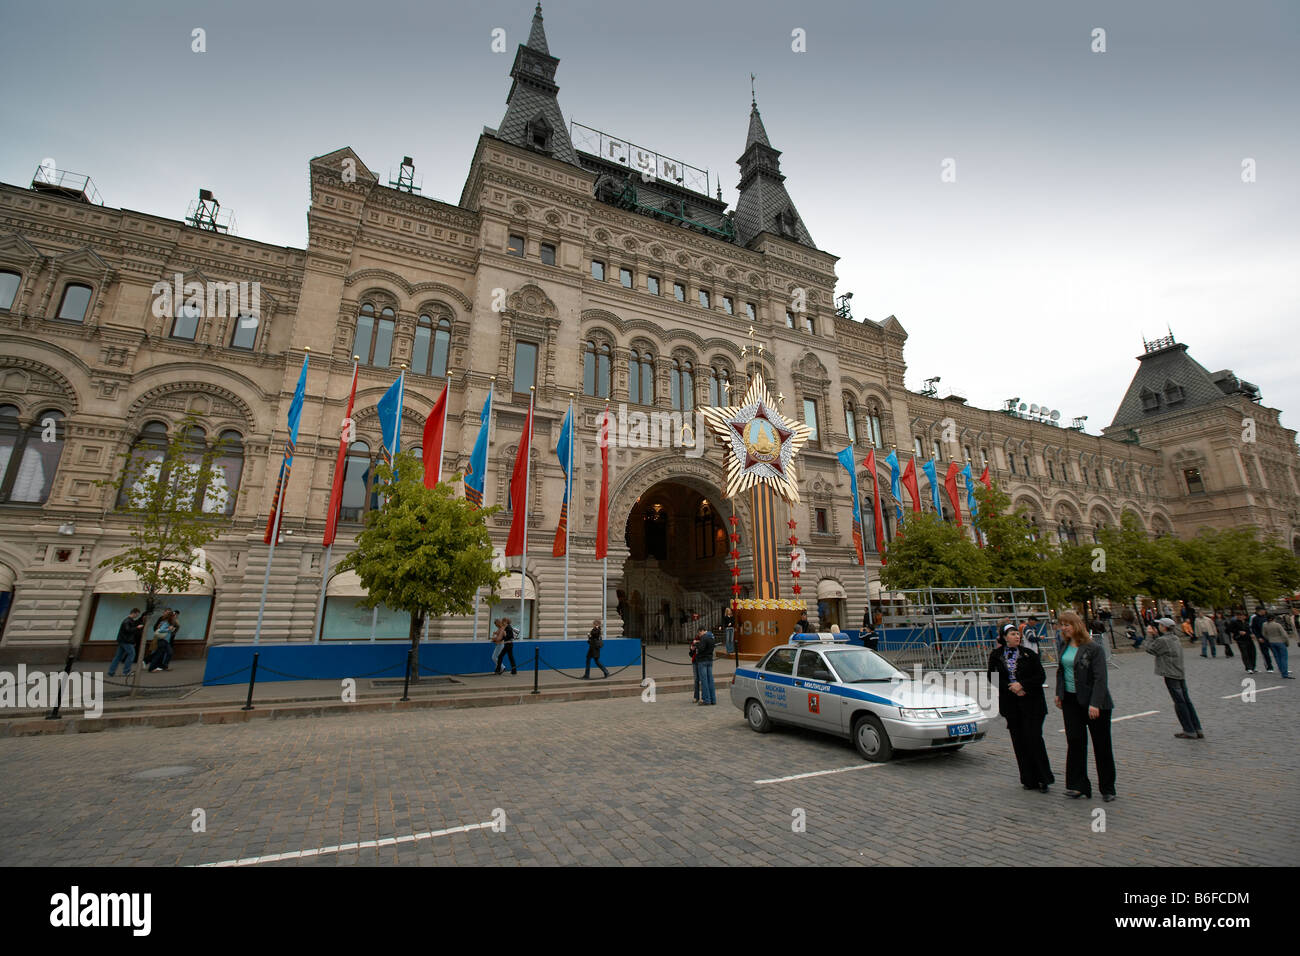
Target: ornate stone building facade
558 268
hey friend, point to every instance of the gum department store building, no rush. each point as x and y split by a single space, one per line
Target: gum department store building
559 267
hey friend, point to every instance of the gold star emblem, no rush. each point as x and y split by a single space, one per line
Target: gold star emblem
761 444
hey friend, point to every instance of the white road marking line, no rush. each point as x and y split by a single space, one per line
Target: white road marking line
1116 720
1258 690
820 773
343 848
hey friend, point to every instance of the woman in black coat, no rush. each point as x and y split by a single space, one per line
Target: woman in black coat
1083 697
1021 702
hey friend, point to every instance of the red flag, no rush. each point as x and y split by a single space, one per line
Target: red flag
434 430
985 480
909 482
950 486
340 467
519 489
875 504
602 513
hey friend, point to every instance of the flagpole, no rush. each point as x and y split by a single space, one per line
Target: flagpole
491 390
397 446
523 557
604 571
862 525
568 516
275 536
329 548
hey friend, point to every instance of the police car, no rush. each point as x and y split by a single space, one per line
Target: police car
821 682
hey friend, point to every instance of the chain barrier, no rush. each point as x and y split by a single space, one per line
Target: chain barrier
674 663
431 670
552 667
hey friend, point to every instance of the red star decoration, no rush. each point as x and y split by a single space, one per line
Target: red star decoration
796 573
735 555
733 519
735 538
794 539
796 589
735 572
735 589
792 523
781 435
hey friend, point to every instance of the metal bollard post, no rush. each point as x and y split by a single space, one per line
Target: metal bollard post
252 679
643 660
58 699
537 664
406 682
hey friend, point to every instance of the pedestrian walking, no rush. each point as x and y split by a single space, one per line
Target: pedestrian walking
507 647
1083 697
694 650
128 632
1256 624
1168 651
594 643
704 662
1205 631
1022 704
1239 632
165 635
1031 634
1278 641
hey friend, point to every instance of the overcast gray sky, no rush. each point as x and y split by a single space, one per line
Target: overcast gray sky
1098 196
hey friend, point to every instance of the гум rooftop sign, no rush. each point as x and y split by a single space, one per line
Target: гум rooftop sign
651 164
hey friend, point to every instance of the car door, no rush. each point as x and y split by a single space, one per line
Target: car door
814 701
776 683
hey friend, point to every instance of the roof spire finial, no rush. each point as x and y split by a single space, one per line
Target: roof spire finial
753 98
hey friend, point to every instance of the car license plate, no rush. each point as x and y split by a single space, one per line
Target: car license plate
960 730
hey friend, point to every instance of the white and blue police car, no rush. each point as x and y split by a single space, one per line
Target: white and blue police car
821 682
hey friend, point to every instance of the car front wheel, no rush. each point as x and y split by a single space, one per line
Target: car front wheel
757 717
871 740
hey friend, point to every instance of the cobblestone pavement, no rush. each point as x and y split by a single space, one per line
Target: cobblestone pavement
630 782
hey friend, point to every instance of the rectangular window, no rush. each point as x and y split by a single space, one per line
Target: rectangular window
789 319
679 292
652 284
916 446
598 270
728 306
934 447
705 300
548 254
750 311
1084 471
808 325
1051 472
823 525
625 278
245 332
810 419
984 457
1028 472
76 298
525 366
1011 460
516 246
1195 486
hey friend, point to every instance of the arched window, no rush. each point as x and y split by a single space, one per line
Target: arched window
719 379
850 419
357 482
28 459
641 378
595 370
244 335
214 494
223 484
185 324
682 386
874 433
374 339
8 289
75 301
145 458
432 344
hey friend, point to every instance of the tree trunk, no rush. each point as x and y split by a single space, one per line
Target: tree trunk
149 605
417 628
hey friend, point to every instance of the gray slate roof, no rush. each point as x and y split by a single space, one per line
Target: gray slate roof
1159 369
534 96
764 205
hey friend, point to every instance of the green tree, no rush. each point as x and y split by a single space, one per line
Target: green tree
1015 559
931 553
425 551
159 488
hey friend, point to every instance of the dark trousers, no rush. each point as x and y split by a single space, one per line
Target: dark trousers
507 649
162 655
1077 729
695 669
1183 705
593 654
1263 650
1247 647
1026 729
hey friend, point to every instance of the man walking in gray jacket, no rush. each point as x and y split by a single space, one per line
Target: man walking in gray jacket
1168 651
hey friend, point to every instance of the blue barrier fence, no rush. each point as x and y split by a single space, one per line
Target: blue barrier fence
229 663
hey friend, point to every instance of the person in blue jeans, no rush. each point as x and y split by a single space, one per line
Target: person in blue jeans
1277 640
128 632
695 666
704 667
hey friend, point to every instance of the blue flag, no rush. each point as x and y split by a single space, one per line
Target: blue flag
971 504
895 486
390 419
929 469
846 459
286 464
476 473
564 449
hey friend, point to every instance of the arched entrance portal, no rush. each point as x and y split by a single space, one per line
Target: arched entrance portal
677 576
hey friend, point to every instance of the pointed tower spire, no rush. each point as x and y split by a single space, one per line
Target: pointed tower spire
533 117
537 35
764 205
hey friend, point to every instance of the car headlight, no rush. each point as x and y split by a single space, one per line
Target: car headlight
923 713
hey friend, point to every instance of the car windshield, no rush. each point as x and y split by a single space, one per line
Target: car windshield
859 665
